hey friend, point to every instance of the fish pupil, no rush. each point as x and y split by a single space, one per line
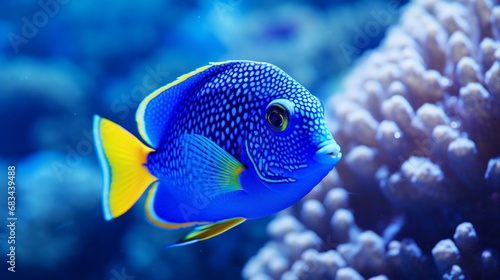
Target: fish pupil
277 117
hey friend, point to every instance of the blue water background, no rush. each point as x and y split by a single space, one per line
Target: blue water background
61 62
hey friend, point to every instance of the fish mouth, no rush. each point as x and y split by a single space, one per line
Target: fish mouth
328 153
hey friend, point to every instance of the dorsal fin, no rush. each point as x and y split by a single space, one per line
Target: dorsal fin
155 110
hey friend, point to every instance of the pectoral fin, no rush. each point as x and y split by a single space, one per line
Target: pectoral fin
212 170
207 231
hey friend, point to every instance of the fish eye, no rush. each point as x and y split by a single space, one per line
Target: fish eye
278 116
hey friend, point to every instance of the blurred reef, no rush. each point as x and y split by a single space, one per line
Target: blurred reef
417 194
63 61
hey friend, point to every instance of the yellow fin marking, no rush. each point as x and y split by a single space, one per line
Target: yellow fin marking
122 157
154 219
204 232
141 110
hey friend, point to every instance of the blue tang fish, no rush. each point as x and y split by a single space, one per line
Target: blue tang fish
231 141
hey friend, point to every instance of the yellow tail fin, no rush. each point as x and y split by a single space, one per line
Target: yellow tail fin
122 157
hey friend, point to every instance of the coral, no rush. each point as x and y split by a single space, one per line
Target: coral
303 247
417 120
340 250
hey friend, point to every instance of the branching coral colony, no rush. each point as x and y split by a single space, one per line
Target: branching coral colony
417 195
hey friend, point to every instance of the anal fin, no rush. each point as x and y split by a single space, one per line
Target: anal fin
207 231
159 205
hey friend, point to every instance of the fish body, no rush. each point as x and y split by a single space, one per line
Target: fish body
228 142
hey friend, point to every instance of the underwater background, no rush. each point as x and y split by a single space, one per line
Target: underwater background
412 94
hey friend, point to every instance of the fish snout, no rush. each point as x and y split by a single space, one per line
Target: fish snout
328 153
